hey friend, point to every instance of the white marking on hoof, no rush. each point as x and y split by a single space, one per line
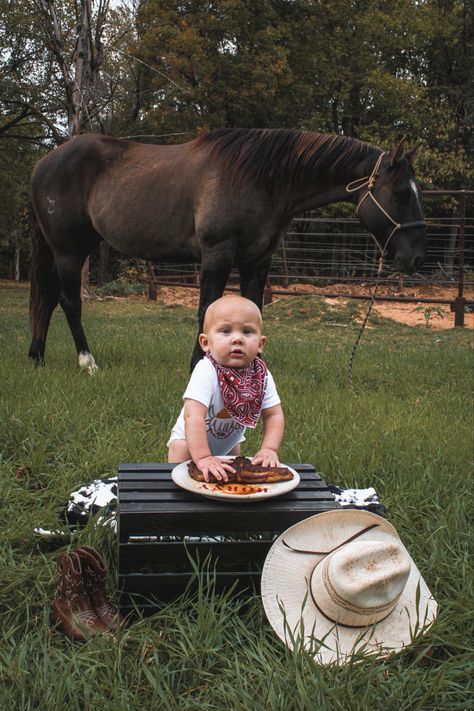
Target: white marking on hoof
87 362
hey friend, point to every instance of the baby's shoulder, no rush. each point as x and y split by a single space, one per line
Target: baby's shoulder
204 370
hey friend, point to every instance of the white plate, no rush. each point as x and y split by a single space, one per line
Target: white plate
181 477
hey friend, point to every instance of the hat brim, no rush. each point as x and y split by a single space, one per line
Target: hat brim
294 616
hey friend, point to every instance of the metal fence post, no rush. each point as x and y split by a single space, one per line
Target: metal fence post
460 301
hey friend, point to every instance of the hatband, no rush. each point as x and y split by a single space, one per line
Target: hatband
360 584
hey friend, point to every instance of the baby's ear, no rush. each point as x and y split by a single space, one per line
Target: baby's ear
203 342
261 345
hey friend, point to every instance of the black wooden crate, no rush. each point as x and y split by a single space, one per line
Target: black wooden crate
160 526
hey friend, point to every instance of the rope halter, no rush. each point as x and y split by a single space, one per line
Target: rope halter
369 182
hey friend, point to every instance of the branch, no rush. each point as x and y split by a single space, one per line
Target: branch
153 69
52 31
23 114
37 140
33 111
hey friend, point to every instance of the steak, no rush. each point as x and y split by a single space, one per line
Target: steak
246 473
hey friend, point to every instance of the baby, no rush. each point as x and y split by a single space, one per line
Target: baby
228 391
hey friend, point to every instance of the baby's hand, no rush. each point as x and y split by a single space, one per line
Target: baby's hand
215 466
267 458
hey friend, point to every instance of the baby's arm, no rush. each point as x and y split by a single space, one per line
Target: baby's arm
196 438
273 431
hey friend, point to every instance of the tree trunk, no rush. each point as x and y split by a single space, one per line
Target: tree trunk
152 289
17 259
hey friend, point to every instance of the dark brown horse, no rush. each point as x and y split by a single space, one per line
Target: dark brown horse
224 199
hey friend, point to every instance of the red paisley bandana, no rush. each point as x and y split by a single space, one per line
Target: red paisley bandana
242 390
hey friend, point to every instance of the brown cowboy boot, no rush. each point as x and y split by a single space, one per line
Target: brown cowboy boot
71 607
94 577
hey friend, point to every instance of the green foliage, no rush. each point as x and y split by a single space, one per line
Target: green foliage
429 312
372 70
220 64
407 432
119 287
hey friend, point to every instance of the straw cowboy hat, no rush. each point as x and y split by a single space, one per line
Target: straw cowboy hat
342 583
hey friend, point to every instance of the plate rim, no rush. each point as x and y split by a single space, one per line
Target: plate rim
221 496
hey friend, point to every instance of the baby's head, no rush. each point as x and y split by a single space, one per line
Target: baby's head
232 331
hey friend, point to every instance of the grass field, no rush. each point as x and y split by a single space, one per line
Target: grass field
408 432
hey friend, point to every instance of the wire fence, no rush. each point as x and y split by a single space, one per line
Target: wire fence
325 251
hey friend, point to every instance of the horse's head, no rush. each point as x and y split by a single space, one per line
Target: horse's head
389 207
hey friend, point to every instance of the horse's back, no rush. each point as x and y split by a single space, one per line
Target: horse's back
75 158
152 201
138 197
62 180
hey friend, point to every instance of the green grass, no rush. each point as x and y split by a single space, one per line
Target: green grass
407 431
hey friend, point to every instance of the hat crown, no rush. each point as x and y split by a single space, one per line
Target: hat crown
361 582
369 574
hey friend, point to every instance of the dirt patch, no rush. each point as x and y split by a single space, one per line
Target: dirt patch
438 316
435 315
179 296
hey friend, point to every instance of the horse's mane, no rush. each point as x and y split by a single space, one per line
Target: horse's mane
278 157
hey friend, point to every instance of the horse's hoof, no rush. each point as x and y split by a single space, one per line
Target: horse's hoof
36 352
37 362
87 363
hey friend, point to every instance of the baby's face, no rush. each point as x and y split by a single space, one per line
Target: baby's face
233 333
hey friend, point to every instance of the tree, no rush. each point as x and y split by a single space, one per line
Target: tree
63 68
79 68
219 64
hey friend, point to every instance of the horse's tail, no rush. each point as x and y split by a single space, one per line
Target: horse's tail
44 289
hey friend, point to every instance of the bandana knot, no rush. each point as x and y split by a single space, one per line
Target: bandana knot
242 390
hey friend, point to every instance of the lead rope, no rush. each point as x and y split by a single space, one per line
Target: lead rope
368 181
364 322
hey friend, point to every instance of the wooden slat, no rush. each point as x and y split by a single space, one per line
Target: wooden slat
173 587
128 479
161 480
166 467
145 467
204 504
153 498
136 556
149 584
158 485
186 522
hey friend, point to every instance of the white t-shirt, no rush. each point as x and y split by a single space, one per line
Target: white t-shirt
223 432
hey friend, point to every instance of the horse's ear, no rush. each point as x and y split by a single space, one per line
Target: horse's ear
413 154
398 152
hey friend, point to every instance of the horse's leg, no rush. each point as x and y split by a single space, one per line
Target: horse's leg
212 287
44 293
253 279
69 270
